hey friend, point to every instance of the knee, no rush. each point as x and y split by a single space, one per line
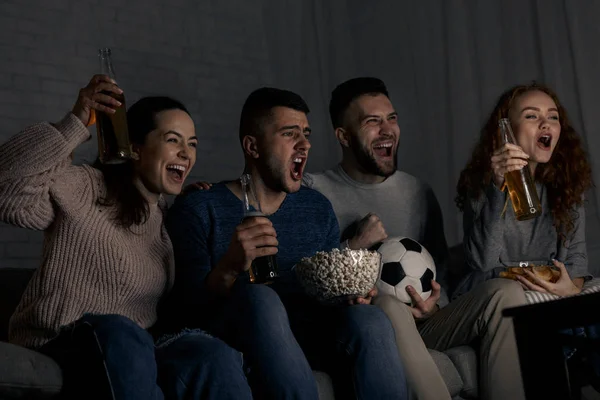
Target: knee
398 313
114 334
367 322
112 325
260 301
107 321
220 357
255 293
195 351
504 293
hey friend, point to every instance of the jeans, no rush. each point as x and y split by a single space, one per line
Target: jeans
593 332
591 358
278 335
111 357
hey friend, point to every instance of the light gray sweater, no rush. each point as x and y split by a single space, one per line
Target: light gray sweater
406 206
492 241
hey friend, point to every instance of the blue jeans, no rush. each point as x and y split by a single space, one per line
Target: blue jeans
111 357
592 357
593 332
276 334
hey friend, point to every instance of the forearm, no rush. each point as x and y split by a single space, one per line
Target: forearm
31 162
41 148
575 260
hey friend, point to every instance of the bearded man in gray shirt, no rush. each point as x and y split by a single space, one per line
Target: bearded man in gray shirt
371 198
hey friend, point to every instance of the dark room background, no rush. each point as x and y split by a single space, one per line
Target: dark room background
445 64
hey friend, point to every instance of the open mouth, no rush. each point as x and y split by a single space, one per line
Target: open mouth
383 149
176 172
298 167
544 141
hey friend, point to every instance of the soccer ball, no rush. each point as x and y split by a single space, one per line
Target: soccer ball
405 262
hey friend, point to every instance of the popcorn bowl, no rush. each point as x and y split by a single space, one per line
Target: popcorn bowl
339 275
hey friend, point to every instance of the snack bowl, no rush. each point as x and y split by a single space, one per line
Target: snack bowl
548 273
339 275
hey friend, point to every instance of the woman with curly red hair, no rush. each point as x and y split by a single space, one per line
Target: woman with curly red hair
551 149
493 237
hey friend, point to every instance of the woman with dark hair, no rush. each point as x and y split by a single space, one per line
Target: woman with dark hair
493 238
551 149
107 258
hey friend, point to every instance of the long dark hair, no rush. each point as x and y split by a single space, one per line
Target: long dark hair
566 176
131 207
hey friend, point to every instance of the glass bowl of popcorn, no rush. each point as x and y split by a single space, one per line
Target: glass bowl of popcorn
339 275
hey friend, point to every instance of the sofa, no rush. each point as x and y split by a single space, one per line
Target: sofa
26 374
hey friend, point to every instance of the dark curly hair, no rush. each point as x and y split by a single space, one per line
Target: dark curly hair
566 176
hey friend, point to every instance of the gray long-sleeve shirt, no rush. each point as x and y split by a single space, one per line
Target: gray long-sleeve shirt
406 206
493 241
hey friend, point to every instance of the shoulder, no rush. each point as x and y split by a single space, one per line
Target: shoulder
319 180
308 211
79 185
190 212
414 191
310 204
311 197
80 175
198 200
92 174
409 187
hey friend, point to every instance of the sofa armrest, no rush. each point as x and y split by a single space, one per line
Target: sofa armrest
27 374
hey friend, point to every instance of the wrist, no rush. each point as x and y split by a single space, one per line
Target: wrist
221 278
498 182
572 292
226 272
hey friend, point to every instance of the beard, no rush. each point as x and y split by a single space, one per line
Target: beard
274 174
368 162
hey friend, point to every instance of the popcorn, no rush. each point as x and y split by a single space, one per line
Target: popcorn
338 275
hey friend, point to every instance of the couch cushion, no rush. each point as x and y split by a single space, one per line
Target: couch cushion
324 385
448 370
27 374
464 359
13 282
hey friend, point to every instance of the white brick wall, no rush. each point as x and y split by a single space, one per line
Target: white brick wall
208 54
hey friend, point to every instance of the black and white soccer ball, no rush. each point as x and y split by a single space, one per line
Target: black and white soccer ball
405 262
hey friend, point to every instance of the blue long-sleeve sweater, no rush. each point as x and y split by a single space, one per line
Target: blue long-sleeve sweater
201 225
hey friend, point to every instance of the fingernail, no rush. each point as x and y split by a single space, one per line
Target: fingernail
119 103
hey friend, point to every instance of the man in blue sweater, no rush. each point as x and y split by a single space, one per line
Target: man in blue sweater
277 327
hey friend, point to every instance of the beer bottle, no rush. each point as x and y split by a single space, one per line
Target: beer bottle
521 187
263 269
114 146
